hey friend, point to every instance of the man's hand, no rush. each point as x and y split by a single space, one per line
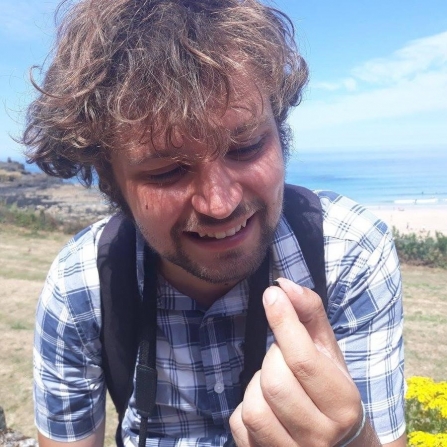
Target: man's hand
303 394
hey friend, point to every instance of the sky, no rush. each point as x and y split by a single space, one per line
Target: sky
378 71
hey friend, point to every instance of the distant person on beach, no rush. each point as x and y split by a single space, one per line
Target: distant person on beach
179 107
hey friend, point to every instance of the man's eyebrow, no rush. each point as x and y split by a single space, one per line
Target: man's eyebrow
157 155
248 127
160 154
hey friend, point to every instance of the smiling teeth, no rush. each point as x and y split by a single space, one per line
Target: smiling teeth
224 234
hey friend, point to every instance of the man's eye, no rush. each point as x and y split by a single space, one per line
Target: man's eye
246 153
167 177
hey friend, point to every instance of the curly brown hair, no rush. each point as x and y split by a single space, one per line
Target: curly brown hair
158 65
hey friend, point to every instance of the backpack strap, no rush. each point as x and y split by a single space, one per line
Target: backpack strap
256 324
303 211
146 369
120 304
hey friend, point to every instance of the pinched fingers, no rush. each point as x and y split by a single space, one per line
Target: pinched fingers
312 314
320 373
291 404
276 411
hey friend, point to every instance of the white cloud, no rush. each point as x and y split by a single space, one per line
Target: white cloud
349 84
418 56
410 82
425 92
329 86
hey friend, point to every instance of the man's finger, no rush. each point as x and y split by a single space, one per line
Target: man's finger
320 375
290 402
254 424
311 313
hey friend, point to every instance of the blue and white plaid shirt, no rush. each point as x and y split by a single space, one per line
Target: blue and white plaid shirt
200 351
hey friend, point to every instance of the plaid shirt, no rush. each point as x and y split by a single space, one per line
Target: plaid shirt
200 351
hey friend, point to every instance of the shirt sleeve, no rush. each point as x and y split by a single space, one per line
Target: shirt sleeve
69 391
365 309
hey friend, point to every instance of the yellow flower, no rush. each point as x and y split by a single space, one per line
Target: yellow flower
422 439
432 395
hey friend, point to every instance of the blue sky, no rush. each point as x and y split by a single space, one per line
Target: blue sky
378 71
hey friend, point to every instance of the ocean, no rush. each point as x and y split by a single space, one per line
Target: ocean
375 177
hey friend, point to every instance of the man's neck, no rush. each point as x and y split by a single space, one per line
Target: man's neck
203 292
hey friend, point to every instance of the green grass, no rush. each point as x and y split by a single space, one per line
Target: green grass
19 326
425 324
419 316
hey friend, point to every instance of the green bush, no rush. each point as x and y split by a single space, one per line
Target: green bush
37 220
421 249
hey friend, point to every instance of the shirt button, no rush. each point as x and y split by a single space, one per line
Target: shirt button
219 387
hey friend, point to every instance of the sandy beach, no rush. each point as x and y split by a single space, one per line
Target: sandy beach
413 218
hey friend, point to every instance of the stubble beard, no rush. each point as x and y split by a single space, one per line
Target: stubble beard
234 265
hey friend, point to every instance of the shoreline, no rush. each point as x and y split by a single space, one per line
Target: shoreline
413 217
71 201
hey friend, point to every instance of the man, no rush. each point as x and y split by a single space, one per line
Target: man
179 107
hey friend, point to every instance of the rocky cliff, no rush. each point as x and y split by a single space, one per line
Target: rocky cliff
63 200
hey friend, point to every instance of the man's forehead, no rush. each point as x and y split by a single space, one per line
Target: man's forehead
184 145
228 120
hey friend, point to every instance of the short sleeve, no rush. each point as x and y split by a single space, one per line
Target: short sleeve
365 308
69 390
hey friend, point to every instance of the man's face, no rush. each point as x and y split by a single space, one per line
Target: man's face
209 220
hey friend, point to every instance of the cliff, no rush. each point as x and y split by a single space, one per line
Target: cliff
63 200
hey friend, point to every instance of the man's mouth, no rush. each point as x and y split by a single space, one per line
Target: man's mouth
220 234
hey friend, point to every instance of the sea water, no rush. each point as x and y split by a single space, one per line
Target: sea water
375 176
372 176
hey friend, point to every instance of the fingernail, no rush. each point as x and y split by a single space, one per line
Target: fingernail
297 289
270 296
276 283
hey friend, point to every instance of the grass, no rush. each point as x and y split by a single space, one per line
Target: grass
9 176
26 255
425 330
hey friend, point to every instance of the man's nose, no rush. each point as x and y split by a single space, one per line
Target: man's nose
217 191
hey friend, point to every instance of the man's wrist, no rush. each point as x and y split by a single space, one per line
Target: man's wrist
364 436
352 438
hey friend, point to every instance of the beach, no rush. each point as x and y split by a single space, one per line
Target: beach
414 218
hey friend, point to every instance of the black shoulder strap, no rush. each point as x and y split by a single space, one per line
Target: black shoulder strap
120 304
121 300
303 211
146 369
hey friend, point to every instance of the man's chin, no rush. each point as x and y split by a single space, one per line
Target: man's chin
231 267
